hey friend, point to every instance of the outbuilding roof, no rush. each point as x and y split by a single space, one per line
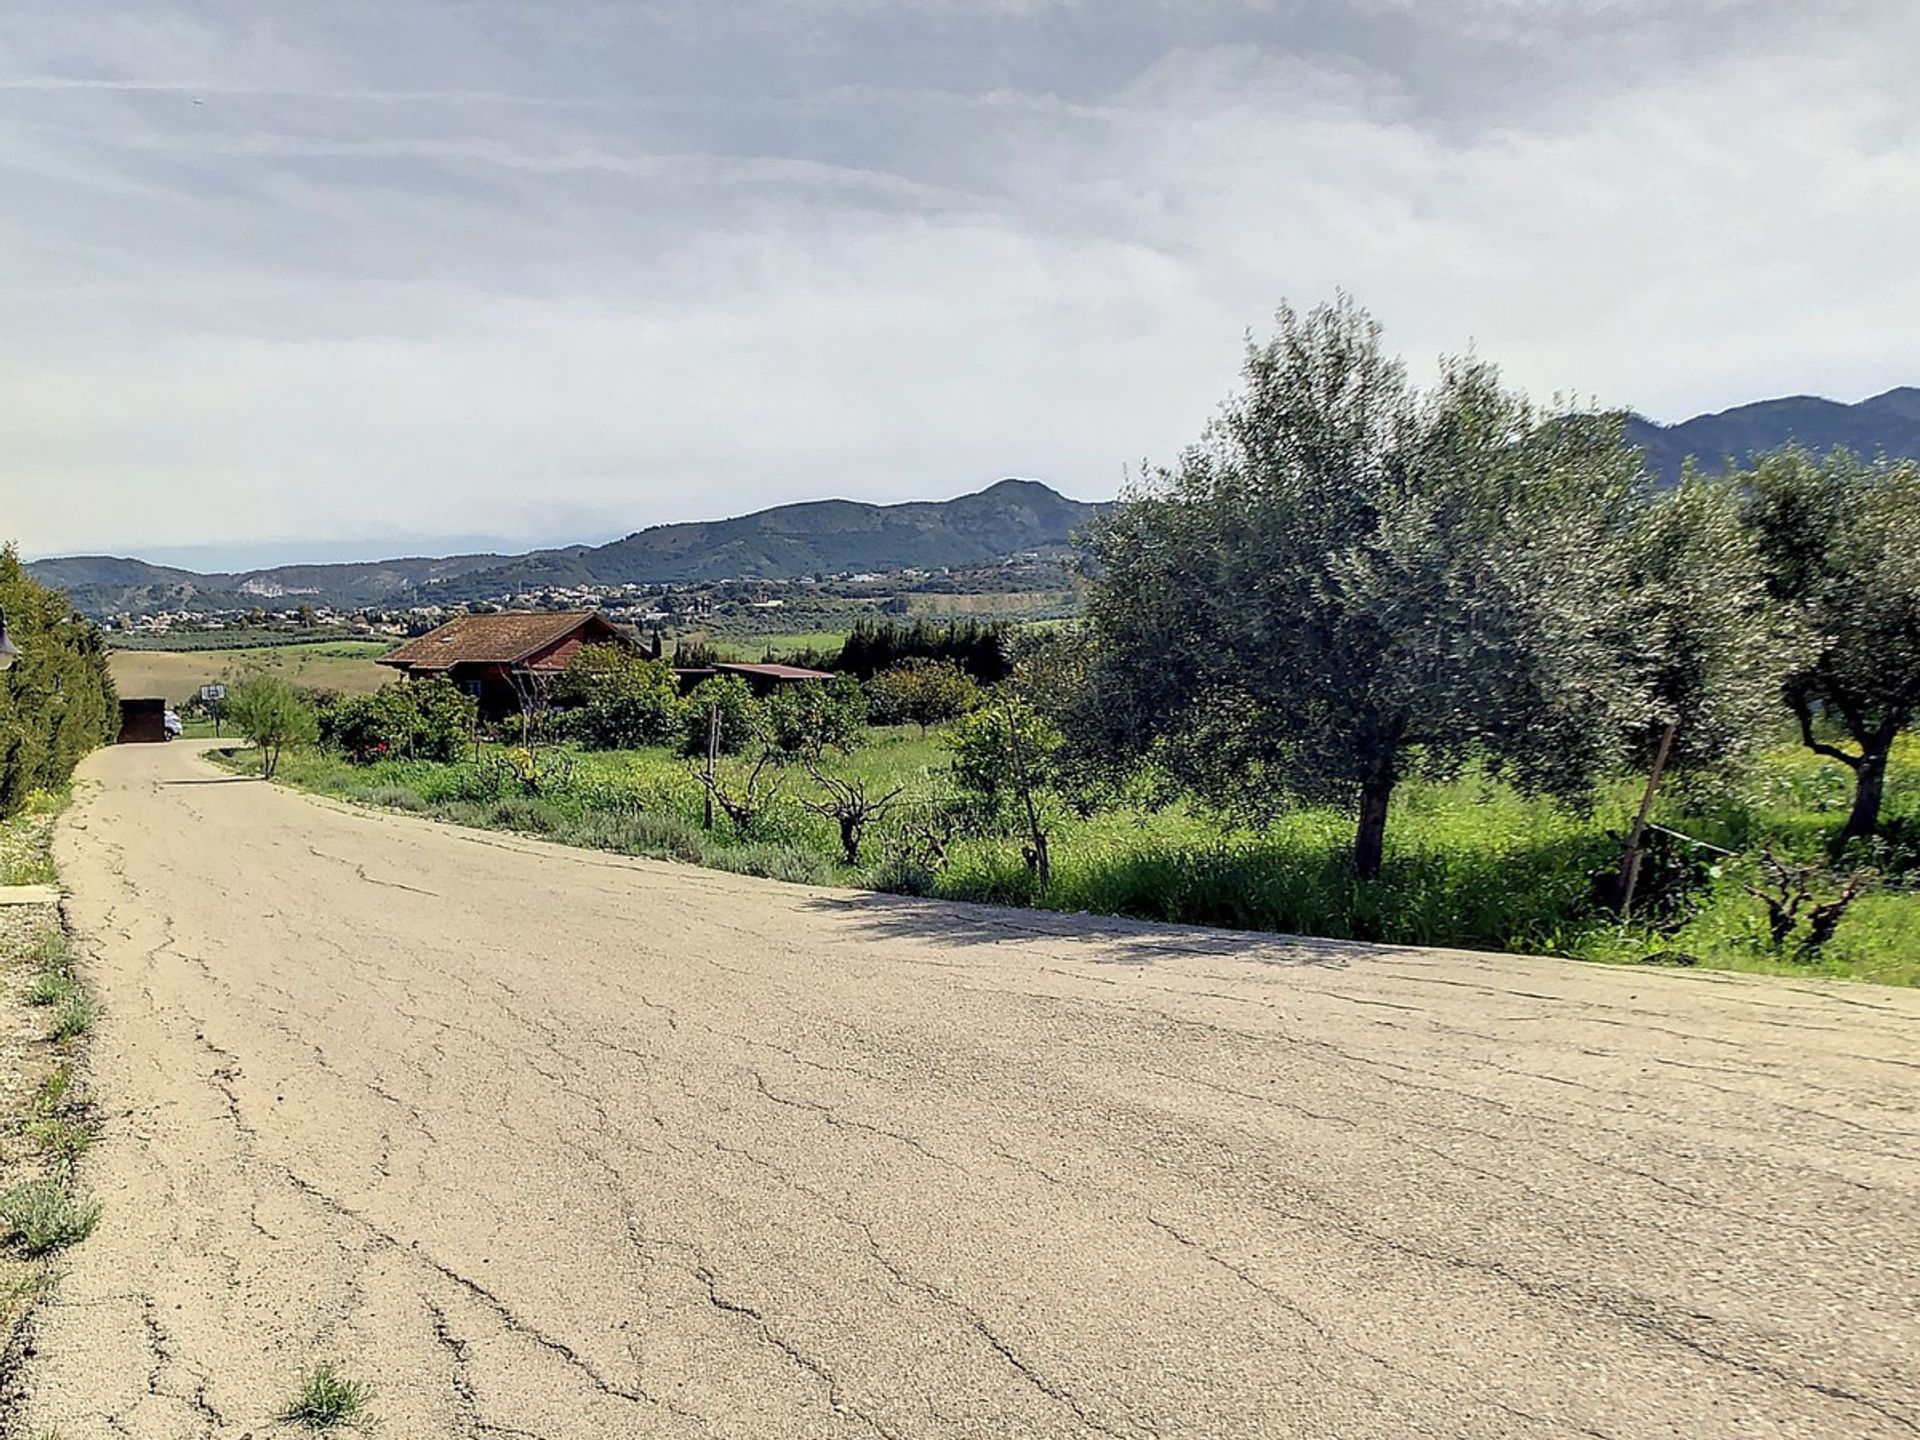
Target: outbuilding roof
503 639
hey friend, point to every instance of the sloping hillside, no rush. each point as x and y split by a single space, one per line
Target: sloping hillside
1889 422
1014 517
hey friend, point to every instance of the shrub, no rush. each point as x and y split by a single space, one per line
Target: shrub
641 833
39 1217
523 812
740 716
414 720
394 797
899 874
621 700
979 648
59 702
815 716
921 692
793 863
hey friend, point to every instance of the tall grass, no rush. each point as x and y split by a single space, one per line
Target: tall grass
1469 862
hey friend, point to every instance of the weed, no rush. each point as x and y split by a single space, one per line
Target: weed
776 862
73 1019
55 1090
900 874
40 1217
26 1285
393 797
49 987
327 1400
65 1140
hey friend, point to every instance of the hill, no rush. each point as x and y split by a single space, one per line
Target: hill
1013 517
1889 422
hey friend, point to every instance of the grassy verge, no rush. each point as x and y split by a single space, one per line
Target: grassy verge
1470 862
46 1122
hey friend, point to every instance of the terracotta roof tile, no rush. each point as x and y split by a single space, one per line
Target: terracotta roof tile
502 639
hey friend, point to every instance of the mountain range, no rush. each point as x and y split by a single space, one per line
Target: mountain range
1013 517
1889 422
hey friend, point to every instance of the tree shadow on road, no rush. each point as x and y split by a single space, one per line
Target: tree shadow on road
1110 939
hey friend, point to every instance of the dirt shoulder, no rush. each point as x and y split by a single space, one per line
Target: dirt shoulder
543 1142
47 1120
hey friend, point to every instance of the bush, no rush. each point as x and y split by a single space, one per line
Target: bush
921 692
740 716
394 797
663 836
413 720
620 700
521 812
899 874
978 648
814 716
39 1217
795 864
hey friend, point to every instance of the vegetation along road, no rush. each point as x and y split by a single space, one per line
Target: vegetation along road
544 1142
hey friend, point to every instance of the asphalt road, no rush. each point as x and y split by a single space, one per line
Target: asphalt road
548 1143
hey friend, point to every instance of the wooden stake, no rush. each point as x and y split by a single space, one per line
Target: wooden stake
713 755
1630 862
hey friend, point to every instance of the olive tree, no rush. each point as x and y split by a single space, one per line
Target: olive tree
1841 540
1347 579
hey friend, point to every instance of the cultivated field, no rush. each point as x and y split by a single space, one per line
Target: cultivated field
344 665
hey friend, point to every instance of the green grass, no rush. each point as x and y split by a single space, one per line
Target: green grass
1470 862
61 1140
39 1217
55 1090
327 1400
72 1018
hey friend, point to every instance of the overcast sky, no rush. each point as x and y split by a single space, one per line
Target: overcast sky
275 275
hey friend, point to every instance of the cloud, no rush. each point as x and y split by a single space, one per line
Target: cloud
507 269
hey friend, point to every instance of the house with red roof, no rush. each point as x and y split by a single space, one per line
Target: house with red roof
492 657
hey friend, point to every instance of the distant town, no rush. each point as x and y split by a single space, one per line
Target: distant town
1026 587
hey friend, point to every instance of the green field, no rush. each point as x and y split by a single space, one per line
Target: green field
1470 863
177 675
753 647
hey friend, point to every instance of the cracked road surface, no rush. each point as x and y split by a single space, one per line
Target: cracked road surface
549 1143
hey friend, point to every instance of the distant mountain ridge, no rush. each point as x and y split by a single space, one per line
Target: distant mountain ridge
1012 517
1889 422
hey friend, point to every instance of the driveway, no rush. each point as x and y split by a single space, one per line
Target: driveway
550 1143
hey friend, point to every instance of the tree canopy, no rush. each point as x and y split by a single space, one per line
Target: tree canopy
1840 537
1349 578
